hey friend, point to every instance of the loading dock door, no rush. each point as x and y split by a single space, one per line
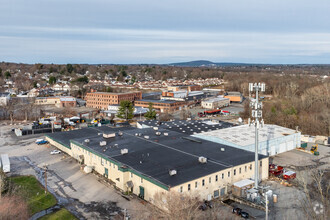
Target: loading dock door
222 191
141 195
216 193
106 172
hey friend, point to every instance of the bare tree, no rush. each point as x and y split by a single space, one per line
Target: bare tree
315 185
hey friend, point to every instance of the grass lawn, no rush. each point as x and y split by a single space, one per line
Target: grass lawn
33 192
59 215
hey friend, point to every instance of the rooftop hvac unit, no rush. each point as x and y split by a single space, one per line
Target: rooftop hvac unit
140 134
124 151
158 133
156 128
222 149
103 143
172 172
136 134
120 133
146 137
165 134
86 140
111 135
202 159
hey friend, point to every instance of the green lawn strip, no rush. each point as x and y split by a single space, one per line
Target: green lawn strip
33 192
59 215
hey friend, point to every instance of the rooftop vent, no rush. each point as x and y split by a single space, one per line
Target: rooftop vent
111 135
165 134
136 134
120 133
103 143
99 133
222 149
124 151
146 137
202 159
86 140
172 172
156 128
158 133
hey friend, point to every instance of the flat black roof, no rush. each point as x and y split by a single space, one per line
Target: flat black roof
156 156
188 127
65 136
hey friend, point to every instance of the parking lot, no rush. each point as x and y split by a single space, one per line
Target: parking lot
85 195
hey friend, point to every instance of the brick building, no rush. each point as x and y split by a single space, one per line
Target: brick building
101 100
162 105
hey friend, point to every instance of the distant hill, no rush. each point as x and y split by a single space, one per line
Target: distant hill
200 63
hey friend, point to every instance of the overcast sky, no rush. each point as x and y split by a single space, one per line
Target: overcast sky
151 31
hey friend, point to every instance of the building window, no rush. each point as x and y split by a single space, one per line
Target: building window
260 163
209 179
188 187
196 184
228 173
131 175
141 180
245 168
181 189
250 166
234 172
203 182
216 178
114 165
240 170
223 176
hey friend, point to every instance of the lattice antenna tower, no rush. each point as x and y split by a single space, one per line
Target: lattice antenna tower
257 121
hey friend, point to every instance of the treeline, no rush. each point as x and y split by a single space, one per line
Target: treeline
300 100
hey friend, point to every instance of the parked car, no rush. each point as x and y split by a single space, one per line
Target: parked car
203 207
41 141
209 204
245 215
55 152
237 211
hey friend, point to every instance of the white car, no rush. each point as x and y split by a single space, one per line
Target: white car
55 152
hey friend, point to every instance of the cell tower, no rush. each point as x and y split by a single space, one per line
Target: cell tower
257 121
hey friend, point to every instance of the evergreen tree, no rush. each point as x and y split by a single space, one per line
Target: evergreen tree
125 110
151 113
52 80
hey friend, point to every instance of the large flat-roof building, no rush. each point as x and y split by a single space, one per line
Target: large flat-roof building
150 161
273 139
162 105
101 100
214 103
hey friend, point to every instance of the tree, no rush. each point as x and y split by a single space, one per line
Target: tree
151 113
315 186
52 80
125 110
7 75
83 80
69 68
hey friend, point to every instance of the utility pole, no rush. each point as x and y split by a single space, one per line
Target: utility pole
256 114
266 206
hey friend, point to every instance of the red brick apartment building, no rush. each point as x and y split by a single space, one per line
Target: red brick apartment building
102 100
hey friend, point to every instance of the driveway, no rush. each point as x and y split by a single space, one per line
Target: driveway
85 195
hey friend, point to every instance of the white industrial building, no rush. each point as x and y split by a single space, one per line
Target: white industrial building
214 103
273 139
